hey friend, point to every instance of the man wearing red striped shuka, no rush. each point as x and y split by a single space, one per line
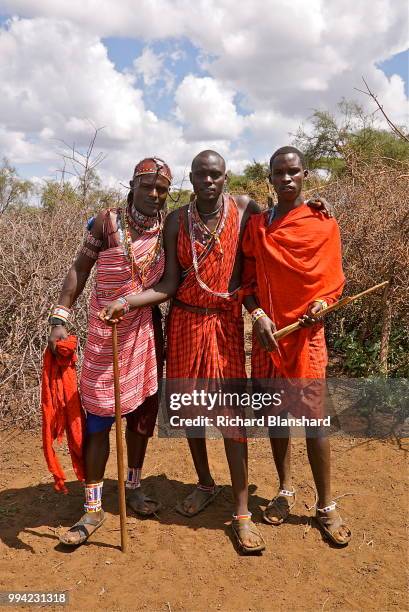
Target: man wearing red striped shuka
126 244
205 329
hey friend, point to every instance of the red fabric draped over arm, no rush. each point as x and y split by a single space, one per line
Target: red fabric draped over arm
61 409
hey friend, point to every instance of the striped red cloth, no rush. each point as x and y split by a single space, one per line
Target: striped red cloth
138 377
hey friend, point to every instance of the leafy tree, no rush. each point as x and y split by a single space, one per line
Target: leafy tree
54 193
14 191
332 139
256 171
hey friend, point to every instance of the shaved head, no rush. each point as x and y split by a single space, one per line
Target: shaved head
208 156
287 151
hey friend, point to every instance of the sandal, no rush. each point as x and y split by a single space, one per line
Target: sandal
242 525
137 500
209 494
278 510
81 530
330 526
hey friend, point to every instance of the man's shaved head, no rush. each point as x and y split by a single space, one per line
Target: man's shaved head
208 156
286 151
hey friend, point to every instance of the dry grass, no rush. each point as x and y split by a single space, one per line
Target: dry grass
40 244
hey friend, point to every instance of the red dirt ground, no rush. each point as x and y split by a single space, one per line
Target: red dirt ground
177 564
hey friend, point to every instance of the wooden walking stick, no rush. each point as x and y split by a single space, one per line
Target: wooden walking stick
119 447
289 329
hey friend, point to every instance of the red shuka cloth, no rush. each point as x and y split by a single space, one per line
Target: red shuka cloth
212 345
289 264
61 409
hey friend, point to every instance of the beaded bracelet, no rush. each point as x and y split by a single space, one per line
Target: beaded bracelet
323 303
84 250
257 314
90 239
54 321
126 305
61 312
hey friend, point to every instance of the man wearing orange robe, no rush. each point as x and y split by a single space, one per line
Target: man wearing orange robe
293 269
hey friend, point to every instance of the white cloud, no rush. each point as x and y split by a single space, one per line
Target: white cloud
60 90
149 65
207 109
283 57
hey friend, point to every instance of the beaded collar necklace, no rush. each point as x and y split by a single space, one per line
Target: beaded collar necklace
143 266
140 222
195 223
210 214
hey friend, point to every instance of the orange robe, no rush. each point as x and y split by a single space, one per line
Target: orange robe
207 345
287 265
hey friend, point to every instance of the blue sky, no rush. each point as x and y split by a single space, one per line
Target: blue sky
208 75
123 51
398 64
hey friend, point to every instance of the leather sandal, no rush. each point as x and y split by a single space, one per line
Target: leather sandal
209 495
330 526
278 510
243 525
137 500
81 529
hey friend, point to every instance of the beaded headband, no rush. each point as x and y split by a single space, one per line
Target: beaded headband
153 165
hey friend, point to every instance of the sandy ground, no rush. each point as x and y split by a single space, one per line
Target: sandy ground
180 564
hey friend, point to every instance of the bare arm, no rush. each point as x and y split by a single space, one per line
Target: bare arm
78 274
74 282
250 303
165 288
263 327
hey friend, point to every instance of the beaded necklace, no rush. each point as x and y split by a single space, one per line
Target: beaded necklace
140 222
143 266
194 223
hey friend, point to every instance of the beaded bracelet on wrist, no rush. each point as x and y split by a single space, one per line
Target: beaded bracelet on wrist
257 314
61 312
125 304
323 303
54 321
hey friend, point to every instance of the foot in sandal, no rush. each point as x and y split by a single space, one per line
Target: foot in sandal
332 526
278 510
249 539
140 503
81 531
198 500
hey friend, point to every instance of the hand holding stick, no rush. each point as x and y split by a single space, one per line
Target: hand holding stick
289 329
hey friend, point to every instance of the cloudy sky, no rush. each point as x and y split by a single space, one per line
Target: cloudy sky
172 77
